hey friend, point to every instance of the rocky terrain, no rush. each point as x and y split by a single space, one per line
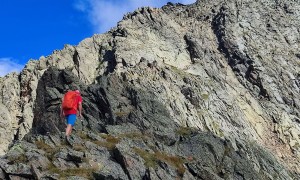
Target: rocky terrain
202 91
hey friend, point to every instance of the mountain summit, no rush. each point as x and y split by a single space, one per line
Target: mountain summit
202 91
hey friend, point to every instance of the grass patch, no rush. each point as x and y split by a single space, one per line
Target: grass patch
17 159
217 129
149 158
18 148
109 138
174 161
152 159
64 174
178 71
205 96
42 145
50 152
122 114
82 135
79 148
185 131
110 142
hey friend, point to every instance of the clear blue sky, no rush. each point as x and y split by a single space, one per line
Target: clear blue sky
33 28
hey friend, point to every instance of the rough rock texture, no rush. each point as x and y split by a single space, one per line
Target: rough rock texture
204 91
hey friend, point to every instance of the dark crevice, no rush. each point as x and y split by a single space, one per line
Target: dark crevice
239 176
147 175
190 47
5 174
151 17
241 64
120 32
191 171
20 176
119 159
103 105
124 63
76 62
109 56
16 135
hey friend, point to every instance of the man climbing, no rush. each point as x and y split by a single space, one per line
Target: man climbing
71 106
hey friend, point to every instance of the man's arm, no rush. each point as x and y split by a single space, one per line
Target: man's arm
80 109
62 114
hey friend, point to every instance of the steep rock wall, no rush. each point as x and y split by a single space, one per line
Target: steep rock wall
231 68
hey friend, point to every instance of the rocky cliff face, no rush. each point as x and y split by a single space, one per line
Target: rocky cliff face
204 91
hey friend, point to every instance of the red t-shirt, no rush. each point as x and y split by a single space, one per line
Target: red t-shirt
73 111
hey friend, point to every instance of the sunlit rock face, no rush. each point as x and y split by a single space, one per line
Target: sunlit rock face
222 77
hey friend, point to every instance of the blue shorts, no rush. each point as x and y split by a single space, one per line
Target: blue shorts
71 119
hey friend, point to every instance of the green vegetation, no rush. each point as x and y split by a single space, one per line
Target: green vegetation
216 128
50 152
213 126
109 143
42 145
78 147
64 174
152 159
18 148
205 96
21 158
82 135
110 138
185 131
18 154
179 72
122 114
149 158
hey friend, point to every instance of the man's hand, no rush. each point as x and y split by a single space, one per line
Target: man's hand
80 115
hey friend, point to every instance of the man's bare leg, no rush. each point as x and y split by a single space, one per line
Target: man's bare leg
68 130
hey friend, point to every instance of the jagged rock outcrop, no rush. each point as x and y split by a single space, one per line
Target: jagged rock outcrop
204 91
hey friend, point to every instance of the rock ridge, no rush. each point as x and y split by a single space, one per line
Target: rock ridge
220 76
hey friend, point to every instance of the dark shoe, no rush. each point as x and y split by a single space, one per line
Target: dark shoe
67 140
